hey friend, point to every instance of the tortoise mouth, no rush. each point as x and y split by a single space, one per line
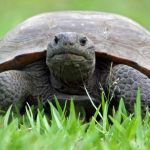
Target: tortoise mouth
70 55
70 69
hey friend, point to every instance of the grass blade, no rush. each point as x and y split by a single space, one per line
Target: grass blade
6 117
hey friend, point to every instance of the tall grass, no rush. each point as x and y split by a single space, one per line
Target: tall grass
59 131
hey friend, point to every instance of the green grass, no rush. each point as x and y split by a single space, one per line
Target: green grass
58 131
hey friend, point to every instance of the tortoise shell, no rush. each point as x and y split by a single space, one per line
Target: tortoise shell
116 38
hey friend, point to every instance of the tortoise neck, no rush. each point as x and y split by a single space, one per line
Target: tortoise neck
67 88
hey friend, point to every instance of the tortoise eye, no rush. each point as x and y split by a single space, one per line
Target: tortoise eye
56 39
83 41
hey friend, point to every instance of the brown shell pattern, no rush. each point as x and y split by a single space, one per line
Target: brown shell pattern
115 37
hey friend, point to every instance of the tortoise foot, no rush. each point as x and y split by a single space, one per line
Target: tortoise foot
124 82
15 86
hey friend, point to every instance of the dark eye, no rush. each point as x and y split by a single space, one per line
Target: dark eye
83 41
56 40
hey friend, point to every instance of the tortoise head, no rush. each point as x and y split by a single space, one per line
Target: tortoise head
71 58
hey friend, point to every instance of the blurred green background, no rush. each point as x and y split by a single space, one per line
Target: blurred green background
14 11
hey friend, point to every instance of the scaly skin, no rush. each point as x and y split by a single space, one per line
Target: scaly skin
124 82
69 66
15 88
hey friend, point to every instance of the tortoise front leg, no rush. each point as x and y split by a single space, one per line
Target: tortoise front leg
124 82
15 87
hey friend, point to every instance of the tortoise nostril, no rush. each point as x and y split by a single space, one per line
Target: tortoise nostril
68 43
65 43
56 40
71 43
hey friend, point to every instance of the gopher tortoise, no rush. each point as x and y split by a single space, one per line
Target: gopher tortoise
62 53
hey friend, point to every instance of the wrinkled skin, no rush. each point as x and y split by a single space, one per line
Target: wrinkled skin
71 61
69 66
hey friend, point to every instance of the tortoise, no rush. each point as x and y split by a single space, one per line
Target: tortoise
67 54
